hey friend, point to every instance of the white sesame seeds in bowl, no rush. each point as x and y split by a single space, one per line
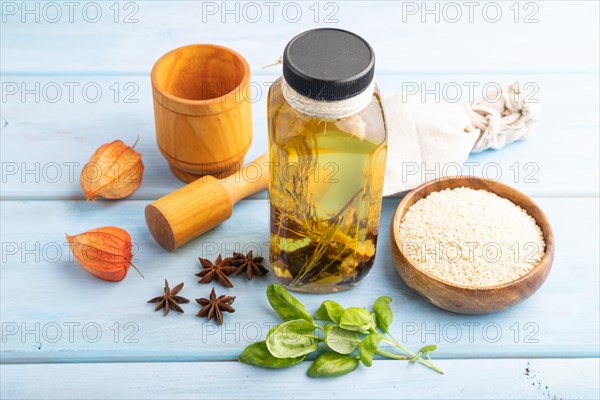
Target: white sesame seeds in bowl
471 245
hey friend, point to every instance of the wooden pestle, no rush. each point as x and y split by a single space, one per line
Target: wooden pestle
179 217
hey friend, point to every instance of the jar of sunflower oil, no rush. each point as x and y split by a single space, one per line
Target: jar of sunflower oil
327 148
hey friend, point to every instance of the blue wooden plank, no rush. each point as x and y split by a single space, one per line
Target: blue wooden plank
45 145
521 38
464 379
44 296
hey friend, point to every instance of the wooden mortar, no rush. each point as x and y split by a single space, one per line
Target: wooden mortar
202 110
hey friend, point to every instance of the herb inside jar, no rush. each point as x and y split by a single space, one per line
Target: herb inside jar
325 198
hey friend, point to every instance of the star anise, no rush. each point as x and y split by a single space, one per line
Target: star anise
219 270
251 265
214 306
170 300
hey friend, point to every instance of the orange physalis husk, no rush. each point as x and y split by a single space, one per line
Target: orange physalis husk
114 171
103 252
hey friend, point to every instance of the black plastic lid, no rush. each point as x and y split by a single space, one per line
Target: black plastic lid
328 64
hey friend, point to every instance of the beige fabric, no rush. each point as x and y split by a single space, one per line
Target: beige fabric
427 139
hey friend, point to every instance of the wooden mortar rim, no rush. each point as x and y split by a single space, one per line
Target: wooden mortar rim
212 106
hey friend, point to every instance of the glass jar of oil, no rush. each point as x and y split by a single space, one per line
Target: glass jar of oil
327 147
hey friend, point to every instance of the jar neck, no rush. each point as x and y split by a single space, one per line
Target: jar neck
322 109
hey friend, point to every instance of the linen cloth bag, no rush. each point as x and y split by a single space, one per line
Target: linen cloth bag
426 137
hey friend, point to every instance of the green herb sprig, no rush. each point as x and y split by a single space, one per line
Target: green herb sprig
352 335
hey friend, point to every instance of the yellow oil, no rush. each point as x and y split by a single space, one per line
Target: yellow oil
326 181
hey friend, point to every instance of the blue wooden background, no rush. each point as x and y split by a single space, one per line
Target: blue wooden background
75 77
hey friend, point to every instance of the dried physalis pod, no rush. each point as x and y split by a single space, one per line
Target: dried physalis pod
103 252
114 171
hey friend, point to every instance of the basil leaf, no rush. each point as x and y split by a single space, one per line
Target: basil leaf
286 305
373 320
293 338
428 348
367 348
356 319
330 364
341 340
329 311
383 313
258 354
424 351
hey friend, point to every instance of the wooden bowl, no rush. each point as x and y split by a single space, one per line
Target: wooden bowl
466 299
